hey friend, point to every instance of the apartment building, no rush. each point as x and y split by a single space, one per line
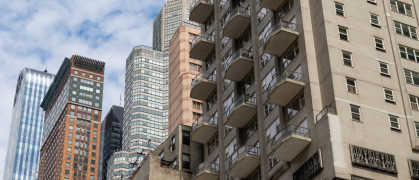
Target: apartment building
110 137
308 89
182 69
71 133
22 157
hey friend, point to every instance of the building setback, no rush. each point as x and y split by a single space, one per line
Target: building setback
22 156
110 137
182 69
308 89
73 108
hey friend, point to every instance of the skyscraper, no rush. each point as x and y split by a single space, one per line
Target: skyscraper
22 156
308 89
73 108
182 69
110 137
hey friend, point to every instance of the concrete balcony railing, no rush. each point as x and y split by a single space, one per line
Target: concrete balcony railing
289 142
324 112
279 38
241 111
284 87
202 46
202 86
204 128
236 22
271 4
201 10
244 161
206 171
238 65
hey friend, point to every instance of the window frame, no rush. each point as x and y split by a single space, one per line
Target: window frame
378 20
355 90
381 68
414 105
359 114
340 34
382 44
417 129
398 122
340 10
391 94
395 8
400 30
350 58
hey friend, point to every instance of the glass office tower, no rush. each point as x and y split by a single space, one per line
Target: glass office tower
22 156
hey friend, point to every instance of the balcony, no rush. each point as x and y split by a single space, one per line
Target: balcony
236 22
284 87
238 65
271 4
202 46
204 128
290 142
201 10
244 161
206 171
202 86
279 37
241 111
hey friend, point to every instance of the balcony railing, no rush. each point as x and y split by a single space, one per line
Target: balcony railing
286 74
282 24
324 112
202 36
200 10
202 46
235 55
238 65
236 22
239 101
206 166
203 76
204 119
250 150
288 131
196 2
234 11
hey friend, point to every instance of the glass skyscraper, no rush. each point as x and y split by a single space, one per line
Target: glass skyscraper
24 144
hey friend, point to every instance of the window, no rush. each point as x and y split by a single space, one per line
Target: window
197 105
409 53
375 20
388 95
91 76
356 113
173 142
269 108
195 67
93 154
347 58
401 7
295 106
414 102
67 164
92 169
351 84
94 132
67 172
92 161
394 122
70 127
272 130
212 144
231 147
384 70
186 161
92 177
417 129
70 134
379 44
411 77
83 74
339 9
195 115
69 149
70 142
268 79
405 30
68 156
343 33
186 137
98 78
76 72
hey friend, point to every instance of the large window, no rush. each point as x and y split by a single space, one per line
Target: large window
401 7
343 33
356 113
411 77
340 11
405 30
351 85
394 122
409 53
414 102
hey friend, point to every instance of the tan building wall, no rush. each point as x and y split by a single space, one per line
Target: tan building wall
181 74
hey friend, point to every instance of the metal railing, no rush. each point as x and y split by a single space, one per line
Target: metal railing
281 24
286 74
213 167
201 76
288 131
196 2
204 119
167 164
238 53
202 36
251 150
239 101
326 110
237 10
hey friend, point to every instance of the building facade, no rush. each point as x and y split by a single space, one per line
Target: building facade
110 137
22 156
182 69
73 108
308 89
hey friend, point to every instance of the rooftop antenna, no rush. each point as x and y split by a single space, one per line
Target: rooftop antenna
45 70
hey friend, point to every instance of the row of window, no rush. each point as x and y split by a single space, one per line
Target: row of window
84 75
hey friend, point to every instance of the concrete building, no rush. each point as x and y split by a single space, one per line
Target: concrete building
319 89
73 108
110 137
175 158
22 157
182 69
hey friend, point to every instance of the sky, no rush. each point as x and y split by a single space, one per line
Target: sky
40 34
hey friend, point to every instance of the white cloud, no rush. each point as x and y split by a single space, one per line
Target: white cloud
39 34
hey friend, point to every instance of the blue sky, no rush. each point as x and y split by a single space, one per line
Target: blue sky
40 34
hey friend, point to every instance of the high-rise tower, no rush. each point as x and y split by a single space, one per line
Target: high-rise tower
73 108
22 156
